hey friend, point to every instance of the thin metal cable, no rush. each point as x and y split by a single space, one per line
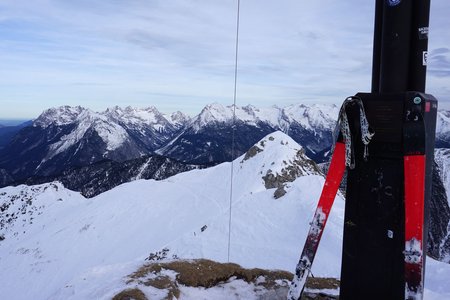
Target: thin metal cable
233 128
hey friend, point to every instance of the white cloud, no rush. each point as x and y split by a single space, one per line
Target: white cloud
102 53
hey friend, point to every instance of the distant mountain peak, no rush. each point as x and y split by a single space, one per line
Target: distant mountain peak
216 112
212 113
312 116
280 160
309 116
111 133
149 118
178 119
58 116
147 114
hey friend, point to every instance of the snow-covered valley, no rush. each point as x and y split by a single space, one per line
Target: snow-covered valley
56 244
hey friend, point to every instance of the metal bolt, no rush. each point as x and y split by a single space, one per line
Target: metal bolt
417 100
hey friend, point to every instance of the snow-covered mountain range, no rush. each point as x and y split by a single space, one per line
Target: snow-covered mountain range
67 137
56 244
208 137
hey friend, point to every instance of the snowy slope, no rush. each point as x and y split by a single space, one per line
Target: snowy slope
55 244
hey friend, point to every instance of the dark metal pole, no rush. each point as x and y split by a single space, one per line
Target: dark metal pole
395 46
419 45
377 46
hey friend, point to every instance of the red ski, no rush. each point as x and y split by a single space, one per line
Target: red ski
414 166
330 188
414 161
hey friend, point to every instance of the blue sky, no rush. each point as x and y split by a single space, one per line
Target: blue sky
179 54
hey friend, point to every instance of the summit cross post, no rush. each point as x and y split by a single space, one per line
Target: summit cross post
389 191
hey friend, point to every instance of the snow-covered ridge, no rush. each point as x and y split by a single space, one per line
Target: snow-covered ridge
21 205
313 116
178 119
64 115
149 116
58 116
115 124
287 162
85 119
138 131
309 116
110 132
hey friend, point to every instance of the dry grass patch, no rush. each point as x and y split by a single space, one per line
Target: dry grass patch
165 283
135 294
207 273
322 283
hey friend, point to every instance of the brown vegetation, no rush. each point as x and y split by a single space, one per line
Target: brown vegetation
206 273
135 294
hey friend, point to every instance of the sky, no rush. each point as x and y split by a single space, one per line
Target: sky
180 54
